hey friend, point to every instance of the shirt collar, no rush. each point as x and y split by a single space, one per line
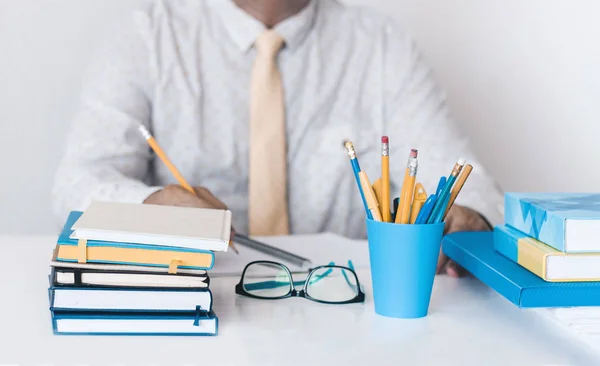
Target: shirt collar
244 29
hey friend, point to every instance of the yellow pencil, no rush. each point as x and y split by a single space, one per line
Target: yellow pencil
370 196
408 187
460 182
165 159
385 180
418 202
402 189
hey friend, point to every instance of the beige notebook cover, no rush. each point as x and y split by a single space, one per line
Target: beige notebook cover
182 227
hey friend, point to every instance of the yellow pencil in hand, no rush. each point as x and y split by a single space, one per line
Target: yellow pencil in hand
165 159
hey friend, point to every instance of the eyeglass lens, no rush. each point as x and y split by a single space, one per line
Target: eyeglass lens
332 284
267 280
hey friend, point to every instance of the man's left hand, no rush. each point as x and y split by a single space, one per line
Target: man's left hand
459 218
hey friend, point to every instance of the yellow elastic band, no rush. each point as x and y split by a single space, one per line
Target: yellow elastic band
173 266
82 251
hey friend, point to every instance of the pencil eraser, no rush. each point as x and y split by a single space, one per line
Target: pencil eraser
385 140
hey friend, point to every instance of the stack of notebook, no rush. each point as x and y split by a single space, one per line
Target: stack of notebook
546 254
136 269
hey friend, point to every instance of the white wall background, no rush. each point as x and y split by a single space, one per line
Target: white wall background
523 79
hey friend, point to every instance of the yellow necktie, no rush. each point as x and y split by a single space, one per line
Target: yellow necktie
268 208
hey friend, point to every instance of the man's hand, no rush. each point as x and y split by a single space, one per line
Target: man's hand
175 195
459 218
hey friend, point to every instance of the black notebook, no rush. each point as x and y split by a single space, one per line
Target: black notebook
78 277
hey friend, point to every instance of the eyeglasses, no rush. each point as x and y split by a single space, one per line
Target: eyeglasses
330 284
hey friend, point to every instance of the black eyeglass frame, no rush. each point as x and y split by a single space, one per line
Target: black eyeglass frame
359 298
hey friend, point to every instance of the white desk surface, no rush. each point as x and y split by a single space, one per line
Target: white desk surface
469 324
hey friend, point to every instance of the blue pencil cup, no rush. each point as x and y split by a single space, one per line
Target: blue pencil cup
403 263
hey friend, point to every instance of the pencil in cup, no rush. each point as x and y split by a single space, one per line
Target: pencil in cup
372 204
385 180
408 186
460 182
356 169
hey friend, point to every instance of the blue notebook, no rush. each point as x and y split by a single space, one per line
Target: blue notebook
149 324
568 222
475 252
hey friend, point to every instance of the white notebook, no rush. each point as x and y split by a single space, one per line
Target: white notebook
183 227
129 299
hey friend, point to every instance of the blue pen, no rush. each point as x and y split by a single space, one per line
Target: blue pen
356 168
426 210
441 213
442 202
440 186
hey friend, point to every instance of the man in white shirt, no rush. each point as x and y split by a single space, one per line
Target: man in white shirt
209 78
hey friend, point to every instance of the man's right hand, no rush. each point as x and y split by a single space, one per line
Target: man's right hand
176 195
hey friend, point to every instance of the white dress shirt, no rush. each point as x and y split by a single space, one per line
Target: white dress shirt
182 68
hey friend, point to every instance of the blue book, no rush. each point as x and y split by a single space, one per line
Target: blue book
111 252
475 252
568 222
544 261
145 324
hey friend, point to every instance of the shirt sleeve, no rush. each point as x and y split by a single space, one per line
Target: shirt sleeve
105 156
416 116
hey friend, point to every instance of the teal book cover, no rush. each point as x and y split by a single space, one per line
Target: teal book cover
568 222
475 252
135 324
